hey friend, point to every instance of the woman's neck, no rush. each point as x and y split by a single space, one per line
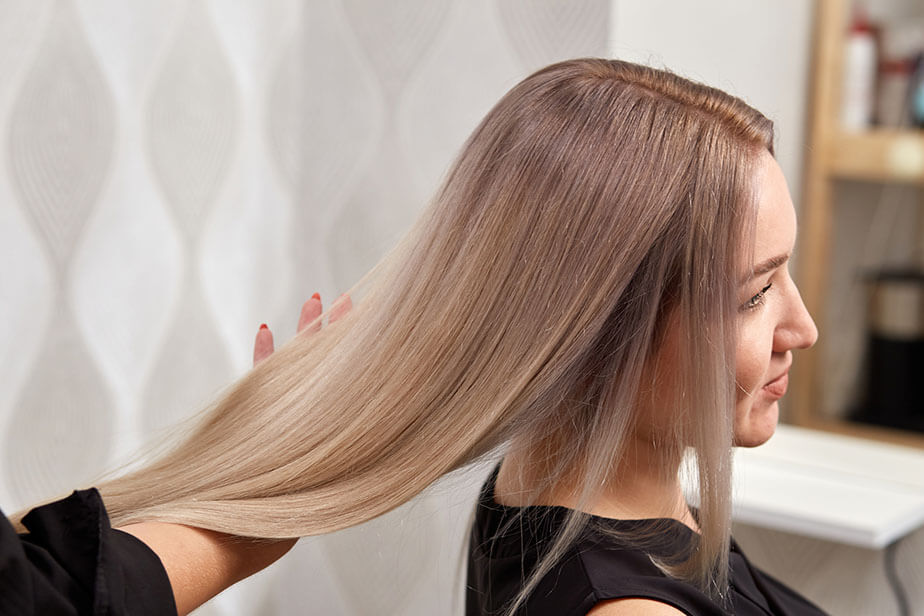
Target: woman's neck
644 486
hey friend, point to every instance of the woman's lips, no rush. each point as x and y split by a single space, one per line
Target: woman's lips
777 387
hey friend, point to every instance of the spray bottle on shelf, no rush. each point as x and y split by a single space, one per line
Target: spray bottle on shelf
859 80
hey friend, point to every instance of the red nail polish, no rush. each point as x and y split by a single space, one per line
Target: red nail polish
263 326
316 296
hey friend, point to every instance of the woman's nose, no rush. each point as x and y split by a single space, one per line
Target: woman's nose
797 329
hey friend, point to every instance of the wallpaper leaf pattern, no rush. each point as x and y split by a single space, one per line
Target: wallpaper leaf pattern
396 36
61 432
192 122
326 118
192 132
60 147
61 135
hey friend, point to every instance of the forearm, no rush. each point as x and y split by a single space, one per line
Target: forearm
202 563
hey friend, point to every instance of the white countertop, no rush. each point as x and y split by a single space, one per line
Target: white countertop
830 486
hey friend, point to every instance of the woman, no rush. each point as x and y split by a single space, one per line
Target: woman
600 285
692 350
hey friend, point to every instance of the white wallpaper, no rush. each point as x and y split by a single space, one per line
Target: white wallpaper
174 173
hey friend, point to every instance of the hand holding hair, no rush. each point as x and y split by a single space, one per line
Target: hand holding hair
311 310
201 563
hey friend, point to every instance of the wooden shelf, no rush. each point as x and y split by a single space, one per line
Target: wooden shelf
880 155
877 155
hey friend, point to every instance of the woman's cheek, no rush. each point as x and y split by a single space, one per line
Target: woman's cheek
751 361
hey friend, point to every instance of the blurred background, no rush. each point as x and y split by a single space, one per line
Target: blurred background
175 173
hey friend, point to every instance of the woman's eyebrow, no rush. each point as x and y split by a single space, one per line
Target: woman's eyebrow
766 266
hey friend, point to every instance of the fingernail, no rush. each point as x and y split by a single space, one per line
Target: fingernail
316 296
263 326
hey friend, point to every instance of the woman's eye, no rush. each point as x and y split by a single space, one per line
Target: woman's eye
757 300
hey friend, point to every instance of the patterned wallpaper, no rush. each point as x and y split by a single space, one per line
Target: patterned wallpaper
174 173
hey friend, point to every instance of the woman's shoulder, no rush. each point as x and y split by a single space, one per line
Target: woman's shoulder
603 564
610 569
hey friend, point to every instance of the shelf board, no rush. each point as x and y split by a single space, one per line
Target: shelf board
878 155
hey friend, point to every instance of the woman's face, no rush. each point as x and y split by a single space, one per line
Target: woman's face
772 320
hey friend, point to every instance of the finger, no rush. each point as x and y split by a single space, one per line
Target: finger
263 344
341 306
311 310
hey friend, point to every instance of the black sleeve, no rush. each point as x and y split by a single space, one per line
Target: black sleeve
72 562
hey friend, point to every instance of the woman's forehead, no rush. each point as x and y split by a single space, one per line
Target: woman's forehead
775 224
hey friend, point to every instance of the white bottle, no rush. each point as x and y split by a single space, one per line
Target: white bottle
859 79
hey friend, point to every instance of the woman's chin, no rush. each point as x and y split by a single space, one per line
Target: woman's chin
757 425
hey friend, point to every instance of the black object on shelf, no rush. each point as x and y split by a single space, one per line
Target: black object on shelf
894 360
916 92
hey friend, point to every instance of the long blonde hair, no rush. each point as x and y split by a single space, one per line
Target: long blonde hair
597 198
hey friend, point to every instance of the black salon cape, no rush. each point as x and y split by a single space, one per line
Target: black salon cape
506 543
72 562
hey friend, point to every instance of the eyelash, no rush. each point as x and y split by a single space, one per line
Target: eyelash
757 300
